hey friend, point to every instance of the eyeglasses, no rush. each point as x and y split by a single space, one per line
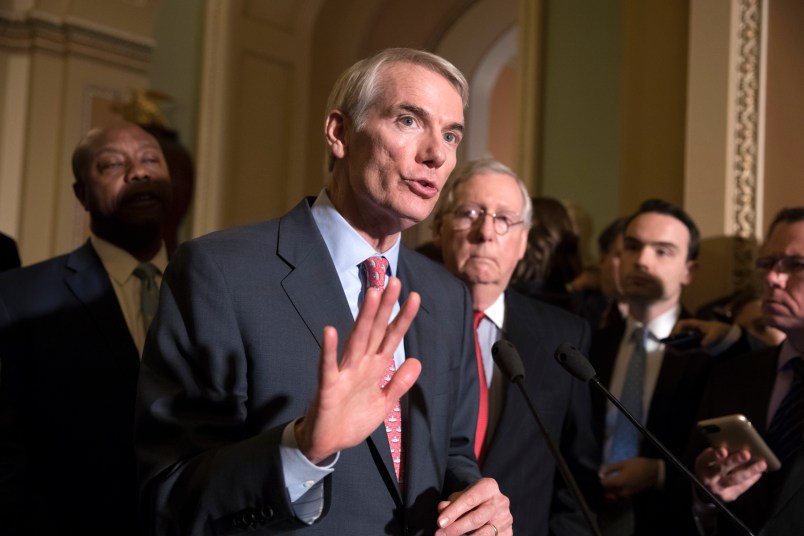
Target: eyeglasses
464 219
790 264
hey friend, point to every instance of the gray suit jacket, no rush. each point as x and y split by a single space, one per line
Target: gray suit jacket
234 358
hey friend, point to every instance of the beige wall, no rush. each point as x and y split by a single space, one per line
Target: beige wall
784 113
638 100
653 101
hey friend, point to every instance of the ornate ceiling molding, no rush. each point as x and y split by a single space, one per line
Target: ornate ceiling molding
68 36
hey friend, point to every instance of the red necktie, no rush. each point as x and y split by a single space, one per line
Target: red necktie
376 268
483 410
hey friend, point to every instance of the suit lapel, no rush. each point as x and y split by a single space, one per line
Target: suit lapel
605 347
417 421
794 481
88 281
527 336
323 304
312 284
762 378
792 485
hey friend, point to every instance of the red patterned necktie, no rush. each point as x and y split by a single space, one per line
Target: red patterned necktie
376 269
483 410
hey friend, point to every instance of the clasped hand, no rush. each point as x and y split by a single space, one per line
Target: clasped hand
624 479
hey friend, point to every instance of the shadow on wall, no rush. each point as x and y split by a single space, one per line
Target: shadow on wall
725 265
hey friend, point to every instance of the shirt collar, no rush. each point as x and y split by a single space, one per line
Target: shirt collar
346 247
119 263
659 328
786 354
496 311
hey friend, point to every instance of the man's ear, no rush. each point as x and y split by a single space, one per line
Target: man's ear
523 244
436 229
335 129
80 191
692 267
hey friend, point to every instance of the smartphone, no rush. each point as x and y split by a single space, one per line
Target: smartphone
686 340
735 432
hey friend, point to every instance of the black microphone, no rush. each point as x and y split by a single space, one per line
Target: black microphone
576 364
509 362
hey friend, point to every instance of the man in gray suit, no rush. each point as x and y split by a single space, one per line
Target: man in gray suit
240 426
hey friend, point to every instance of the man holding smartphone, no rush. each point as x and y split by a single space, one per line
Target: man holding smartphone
767 387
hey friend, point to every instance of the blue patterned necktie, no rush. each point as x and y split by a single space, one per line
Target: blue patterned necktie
625 441
149 292
786 431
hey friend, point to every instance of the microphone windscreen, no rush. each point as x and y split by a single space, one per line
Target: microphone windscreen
573 360
507 358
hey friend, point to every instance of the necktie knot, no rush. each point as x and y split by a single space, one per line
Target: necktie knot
145 271
640 336
478 316
376 269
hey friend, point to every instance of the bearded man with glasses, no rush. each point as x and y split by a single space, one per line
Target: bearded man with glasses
481 226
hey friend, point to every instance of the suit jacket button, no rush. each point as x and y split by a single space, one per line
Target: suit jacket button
266 514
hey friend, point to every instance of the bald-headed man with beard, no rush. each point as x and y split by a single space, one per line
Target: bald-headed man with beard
71 335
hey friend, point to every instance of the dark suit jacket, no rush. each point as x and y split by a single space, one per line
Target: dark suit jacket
518 456
234 358
9 255
67 389
743 384
671 419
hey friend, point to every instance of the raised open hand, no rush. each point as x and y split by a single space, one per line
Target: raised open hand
349 404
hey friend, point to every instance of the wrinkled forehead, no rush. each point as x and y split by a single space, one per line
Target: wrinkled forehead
494 188
114 138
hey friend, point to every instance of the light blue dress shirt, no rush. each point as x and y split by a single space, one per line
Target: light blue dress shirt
347 249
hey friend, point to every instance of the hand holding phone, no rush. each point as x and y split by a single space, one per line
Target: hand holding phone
736 433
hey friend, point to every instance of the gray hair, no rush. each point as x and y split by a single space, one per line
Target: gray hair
358 88
471 169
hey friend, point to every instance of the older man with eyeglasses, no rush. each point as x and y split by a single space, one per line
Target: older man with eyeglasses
767 387
481 226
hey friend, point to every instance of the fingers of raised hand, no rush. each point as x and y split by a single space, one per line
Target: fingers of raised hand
396 330
379 326
364 336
